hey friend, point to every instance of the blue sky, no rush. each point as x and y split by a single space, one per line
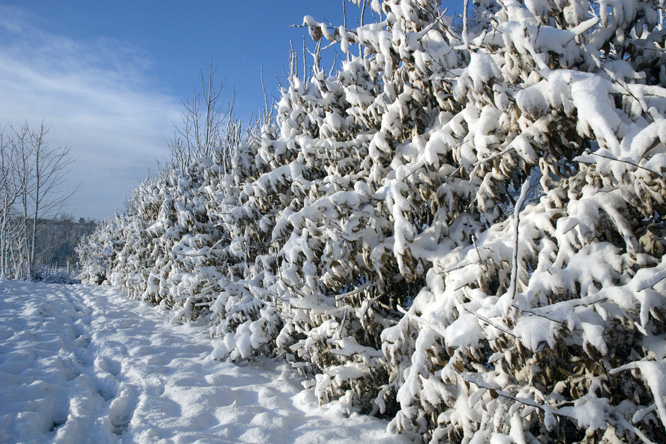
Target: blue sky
109 76
171 41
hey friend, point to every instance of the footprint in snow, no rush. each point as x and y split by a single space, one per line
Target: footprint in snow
121 411
103 364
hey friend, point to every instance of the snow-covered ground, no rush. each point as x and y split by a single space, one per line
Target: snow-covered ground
85 364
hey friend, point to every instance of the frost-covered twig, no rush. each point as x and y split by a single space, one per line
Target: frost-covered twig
199 254
651 285
489 322
653 373
422 321
532 312
548 410
513 286
621 161
353 292
635 430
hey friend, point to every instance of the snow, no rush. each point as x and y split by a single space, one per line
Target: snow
590 413
86 364
464 331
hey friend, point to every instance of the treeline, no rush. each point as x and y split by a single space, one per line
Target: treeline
55 244
462 229
57 239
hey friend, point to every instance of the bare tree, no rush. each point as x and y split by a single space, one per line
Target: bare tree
10 191
50 168
31 188
205 125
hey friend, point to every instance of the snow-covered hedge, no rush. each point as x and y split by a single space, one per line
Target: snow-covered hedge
462 229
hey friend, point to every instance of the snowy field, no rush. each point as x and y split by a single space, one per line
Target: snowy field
83 364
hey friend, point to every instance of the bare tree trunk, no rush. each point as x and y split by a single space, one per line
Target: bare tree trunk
35 217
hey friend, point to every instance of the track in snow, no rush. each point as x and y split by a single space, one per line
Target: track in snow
86 364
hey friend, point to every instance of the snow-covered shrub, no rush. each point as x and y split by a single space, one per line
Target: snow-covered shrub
543 308
333 236
461 229
98 250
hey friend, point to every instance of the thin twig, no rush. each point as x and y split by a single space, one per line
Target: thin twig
489 322
627 162
353 292
525 310
525 401
198 254
422 321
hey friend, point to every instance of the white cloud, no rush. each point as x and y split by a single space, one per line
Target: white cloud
97 99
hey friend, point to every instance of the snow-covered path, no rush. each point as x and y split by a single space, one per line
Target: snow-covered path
85 364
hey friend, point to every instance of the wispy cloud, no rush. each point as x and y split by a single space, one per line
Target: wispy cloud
97 99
